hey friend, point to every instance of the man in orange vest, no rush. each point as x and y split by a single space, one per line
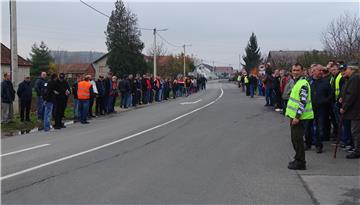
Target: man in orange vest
84 92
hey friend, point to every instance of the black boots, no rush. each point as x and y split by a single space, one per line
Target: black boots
296 165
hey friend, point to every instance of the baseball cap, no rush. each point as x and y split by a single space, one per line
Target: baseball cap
342 66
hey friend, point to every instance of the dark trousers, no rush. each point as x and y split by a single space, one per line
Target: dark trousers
297 133
100 106
59 112
247 89
25 106
134 99
309 132
151 96
329 119
355 132
268 96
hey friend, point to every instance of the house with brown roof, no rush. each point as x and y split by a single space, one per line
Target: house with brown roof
223 71
72 70
23 65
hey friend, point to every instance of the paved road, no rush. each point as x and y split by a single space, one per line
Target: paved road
217 146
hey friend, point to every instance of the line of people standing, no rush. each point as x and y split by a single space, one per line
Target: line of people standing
323 103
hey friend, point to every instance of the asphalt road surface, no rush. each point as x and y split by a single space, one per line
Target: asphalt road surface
215 147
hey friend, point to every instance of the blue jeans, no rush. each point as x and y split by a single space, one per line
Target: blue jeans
76 109
268 96
48 108
252 90
159 95
319 126
260 91
40 107
129 99
83 109
124 99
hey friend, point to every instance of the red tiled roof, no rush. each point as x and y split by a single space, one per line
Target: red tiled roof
79 68
6 57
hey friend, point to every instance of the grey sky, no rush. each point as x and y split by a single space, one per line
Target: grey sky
217 31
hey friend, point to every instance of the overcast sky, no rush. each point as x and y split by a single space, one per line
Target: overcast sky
217 31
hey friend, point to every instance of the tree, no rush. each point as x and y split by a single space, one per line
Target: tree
160 50
123 42
321 57
342 37
252 58
40 59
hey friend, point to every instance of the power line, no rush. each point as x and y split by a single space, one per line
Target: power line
102 13
95 9
168 41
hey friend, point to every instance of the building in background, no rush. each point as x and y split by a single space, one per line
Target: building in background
100 66
23 65
72 70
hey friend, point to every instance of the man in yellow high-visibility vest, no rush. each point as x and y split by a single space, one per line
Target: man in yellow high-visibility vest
299 109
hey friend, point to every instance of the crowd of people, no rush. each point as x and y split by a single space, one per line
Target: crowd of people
52 95
322 102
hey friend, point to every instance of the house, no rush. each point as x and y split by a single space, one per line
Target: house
204 70
100 66
23 65
223 71
72 70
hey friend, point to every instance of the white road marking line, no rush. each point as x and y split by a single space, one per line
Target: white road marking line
188 103
23 150
108 144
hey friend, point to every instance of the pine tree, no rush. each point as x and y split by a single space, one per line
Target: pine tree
123 42
40 59
252 58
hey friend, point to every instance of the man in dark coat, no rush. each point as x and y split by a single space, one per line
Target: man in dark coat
7 99
321 96
24 93
100 103
350 99
108 85
62 86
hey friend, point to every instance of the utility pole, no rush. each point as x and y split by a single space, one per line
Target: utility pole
154 32
239 62
13 48
184 46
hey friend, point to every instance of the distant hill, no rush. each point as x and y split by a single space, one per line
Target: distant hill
66 57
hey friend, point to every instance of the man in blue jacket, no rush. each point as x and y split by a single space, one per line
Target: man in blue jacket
24 93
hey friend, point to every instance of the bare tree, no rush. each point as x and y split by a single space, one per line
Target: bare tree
342 37
160 50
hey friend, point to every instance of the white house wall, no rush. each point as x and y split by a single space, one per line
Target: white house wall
22 72
101 68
